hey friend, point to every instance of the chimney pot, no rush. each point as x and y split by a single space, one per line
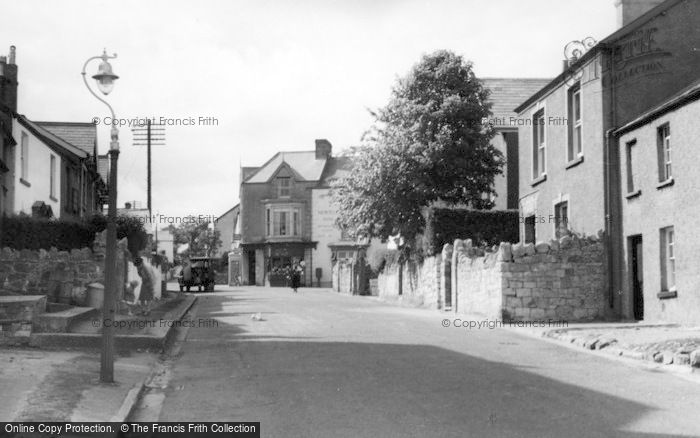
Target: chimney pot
127 205
12 55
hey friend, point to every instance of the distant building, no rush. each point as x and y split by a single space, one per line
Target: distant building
229 230
286 217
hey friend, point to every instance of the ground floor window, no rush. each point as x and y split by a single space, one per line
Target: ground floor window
668 259
530 229
561 219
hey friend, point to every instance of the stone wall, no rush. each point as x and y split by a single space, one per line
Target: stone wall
560 280
343 278
59 275
413 283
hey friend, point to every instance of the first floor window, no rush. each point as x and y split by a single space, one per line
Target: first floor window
575 124
52 177
668 259
283 221
539 161
664 152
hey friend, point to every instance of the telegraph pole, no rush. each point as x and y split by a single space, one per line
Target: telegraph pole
150 134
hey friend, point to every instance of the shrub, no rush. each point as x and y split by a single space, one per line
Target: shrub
382 258
484 227
25 232
127 226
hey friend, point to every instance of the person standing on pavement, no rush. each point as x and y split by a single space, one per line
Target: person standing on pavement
296 275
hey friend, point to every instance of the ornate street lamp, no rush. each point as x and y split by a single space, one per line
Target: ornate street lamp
105 82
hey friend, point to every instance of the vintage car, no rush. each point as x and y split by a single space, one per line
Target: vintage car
199 271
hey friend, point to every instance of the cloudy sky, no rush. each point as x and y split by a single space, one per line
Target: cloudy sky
274 74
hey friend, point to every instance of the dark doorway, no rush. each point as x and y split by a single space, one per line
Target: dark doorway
251 268
635 247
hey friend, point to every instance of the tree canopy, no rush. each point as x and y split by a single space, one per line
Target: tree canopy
430 143
201 238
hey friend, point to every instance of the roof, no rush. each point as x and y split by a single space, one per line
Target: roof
683 97
336 168
50 139
508 93
304 164
82 135
231 210
605 43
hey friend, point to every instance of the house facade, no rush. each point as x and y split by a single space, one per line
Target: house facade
506 94
661 187
286 216
49 176
229 231
569 160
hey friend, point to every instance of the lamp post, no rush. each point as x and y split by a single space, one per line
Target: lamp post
105 83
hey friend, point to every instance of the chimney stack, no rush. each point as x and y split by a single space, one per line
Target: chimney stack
8 84
127 205
323 149
630 10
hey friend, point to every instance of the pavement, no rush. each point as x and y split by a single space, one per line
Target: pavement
321 364
61 382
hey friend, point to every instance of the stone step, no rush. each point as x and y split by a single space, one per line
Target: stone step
61 322
22 307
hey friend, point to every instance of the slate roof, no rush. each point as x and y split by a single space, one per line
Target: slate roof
337 167
683 97
82 135
508 93
304 164
51 139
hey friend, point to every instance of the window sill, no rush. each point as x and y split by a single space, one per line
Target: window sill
666 294
632 195
669 182
539 180
25 182
53 198
575 162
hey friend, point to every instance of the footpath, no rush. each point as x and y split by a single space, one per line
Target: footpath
664 344
61 382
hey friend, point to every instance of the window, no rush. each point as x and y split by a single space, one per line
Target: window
283 221
629 166
664 152
538 145
24 157
668 259
283 187
575 149
530 229
561 219
52 178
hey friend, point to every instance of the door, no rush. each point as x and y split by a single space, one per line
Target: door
635 244
251 268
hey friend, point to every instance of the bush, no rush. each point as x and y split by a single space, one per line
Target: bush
484 227
127 226
25 232
382 258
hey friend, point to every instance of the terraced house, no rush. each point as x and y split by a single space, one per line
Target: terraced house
570 164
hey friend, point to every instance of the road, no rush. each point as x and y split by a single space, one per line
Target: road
320 364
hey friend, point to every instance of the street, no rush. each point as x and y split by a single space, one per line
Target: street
323 364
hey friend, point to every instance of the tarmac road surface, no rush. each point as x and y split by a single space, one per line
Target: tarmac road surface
320 364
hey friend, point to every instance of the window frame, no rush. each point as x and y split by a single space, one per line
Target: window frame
291 225
24 156
664 150
575 125
52 176
280 187
539 144
667 241
564 203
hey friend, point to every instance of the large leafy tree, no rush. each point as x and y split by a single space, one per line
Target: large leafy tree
430 143
203 240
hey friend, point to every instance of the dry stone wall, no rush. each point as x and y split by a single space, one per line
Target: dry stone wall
561 280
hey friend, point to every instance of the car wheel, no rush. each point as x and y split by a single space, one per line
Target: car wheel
181 288
188 288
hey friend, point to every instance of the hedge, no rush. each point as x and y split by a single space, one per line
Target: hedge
24 232
483 227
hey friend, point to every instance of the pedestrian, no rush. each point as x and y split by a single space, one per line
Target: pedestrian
296 276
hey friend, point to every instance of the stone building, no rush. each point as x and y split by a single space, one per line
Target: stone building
286 216
661 188
569 161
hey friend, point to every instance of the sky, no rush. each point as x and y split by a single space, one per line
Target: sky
264 76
